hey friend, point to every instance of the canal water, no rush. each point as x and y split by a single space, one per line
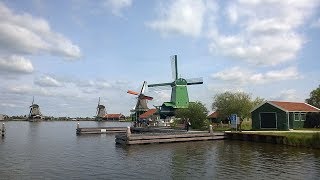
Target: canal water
51 150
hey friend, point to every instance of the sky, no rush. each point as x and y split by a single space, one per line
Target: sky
68 53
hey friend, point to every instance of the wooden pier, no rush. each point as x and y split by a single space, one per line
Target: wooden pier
99 130
148 138
2 130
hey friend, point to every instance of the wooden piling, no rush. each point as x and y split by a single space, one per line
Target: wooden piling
210 129
128 133
3 130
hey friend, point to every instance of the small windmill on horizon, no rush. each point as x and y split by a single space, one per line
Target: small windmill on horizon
34 113
101 111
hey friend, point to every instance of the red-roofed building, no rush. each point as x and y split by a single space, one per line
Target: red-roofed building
281 115
213 117
114 117
150 117
149 114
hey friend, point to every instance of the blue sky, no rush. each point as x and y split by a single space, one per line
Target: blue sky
69 53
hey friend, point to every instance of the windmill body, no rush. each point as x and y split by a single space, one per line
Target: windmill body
179 92
101 111
34 114
141 105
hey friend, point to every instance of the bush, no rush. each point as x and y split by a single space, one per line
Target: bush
312 120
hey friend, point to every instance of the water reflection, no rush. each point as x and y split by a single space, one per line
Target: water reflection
52 150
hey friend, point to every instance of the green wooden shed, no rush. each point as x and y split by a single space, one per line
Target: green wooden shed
280 115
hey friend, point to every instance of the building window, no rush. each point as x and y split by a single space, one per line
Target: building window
297 116
303 116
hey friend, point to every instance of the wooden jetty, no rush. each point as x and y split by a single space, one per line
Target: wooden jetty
99 130
148 138
2 130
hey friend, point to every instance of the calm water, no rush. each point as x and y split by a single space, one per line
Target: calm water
51 150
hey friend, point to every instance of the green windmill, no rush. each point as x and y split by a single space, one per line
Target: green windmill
179 92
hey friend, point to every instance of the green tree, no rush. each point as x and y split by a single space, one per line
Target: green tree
196 113
314 99
239 103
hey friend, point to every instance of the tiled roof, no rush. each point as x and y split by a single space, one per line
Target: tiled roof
294 106
213 115
112 116
147 114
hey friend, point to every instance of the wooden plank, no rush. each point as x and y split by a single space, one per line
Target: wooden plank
175 140
162 136
99 129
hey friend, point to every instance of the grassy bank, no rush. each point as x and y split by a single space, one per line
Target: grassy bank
299 138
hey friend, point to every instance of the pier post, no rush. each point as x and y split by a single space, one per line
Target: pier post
210 129
3 129
128 131
78 129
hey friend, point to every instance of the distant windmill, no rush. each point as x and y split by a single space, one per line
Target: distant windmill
101 111
141 105
34 113
179 92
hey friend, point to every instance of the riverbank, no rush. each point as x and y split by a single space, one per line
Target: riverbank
297 138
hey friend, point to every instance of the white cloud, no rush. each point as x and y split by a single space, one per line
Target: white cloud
264 32
28 90
25 34
117 6
181 17
16 64
244 76
287 95
8 105
316 23
47 81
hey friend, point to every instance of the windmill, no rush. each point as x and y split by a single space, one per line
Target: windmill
179 91
34 113
141 106
101 111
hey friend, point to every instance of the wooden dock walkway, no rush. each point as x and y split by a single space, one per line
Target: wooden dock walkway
100 130
149 138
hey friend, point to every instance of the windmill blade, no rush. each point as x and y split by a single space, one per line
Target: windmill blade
99 101
146 97
32 100
160 84
30 111
132 92
174 67
194 81
143 87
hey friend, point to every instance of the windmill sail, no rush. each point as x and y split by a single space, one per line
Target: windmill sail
174 67
141 104
179 93
193 81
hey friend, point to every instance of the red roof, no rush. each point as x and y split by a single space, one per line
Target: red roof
113 116
213 115
294 106
147 114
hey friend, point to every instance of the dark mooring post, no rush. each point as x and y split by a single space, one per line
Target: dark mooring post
78 130
3 130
